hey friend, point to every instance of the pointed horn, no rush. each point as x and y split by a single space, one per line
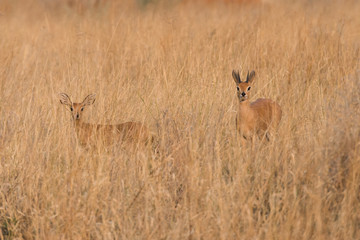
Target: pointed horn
247 77
236 76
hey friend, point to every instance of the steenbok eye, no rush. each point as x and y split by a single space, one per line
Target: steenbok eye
249 88
238 88
82 109
71 109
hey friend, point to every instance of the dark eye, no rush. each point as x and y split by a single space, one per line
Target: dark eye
82 109
249 88
71 109
238 88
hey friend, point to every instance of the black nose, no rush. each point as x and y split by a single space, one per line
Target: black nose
77 116
243 94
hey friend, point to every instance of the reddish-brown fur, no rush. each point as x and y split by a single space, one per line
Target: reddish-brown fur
255 118
91 134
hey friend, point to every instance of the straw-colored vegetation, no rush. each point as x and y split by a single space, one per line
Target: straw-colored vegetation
170 66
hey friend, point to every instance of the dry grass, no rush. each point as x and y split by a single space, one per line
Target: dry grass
171 67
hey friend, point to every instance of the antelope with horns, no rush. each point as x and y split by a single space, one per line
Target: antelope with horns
89 134
258 117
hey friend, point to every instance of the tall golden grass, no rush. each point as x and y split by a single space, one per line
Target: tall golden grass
170 66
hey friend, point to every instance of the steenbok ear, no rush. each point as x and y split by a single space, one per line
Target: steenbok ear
65 99
250 77
236 77
90 99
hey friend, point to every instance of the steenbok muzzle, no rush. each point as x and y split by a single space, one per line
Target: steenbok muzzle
92 134
256 118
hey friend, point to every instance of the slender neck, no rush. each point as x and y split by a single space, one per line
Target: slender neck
80 126
244 110
78 123
244 103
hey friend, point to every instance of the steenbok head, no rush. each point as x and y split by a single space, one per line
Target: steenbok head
243 88
76 109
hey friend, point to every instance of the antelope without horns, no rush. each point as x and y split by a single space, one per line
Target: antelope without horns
254 118
89 134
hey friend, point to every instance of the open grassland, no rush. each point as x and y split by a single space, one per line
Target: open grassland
170 67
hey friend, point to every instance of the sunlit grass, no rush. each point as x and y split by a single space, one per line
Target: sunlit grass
171 68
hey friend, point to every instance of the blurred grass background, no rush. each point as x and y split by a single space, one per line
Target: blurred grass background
169 63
